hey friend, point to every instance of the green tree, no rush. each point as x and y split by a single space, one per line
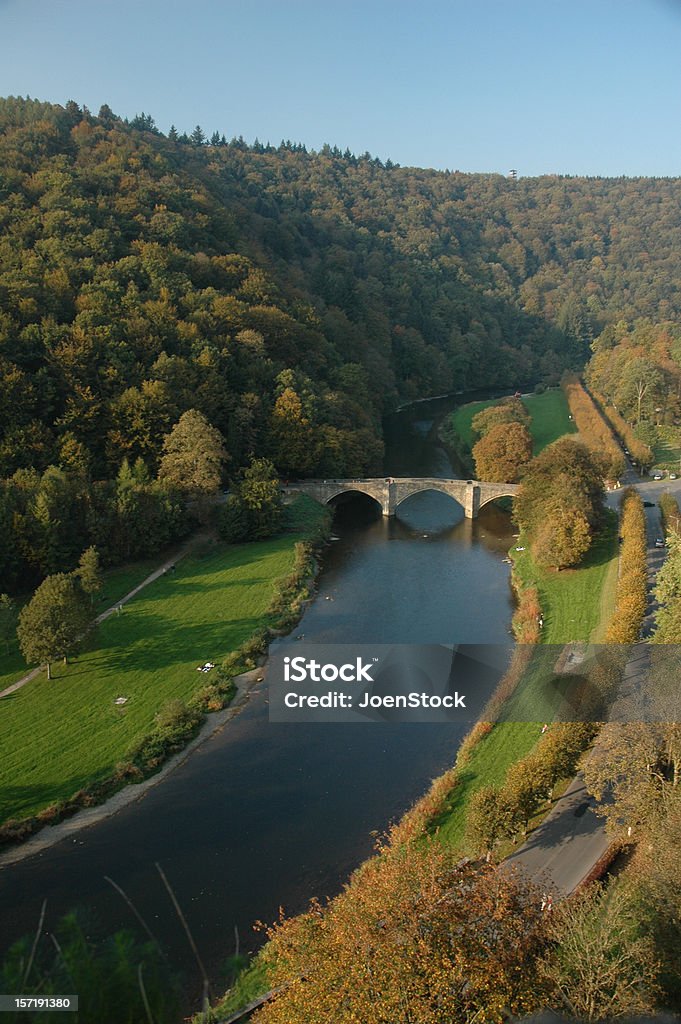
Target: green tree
8 620
89 573
234 521
198 137
260 494
602 967
118 978
53 622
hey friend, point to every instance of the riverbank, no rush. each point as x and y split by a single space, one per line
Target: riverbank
485 757
227 598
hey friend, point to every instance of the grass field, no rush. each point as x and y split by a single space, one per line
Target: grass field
549 412
57 736
550 417
665 454
117 583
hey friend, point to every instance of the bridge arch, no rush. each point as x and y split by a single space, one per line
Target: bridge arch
365 492
494 497
400 498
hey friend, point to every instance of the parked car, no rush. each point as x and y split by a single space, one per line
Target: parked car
672 476
659 542
658 476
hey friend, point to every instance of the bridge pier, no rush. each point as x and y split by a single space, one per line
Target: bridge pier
471 505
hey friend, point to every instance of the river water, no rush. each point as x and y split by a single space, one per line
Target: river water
263 814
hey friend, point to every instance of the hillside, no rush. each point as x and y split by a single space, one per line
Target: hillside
290 296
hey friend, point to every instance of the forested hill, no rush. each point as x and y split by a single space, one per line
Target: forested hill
292 297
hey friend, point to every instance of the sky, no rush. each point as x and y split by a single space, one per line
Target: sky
543 86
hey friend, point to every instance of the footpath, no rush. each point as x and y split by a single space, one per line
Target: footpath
162 569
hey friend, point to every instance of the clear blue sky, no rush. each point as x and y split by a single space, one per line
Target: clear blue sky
546 86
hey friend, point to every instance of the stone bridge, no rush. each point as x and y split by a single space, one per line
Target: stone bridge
389 492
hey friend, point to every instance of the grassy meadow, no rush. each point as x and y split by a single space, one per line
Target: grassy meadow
57 736
549 412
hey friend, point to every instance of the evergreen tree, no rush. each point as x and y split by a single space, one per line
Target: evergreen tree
89 573
8 620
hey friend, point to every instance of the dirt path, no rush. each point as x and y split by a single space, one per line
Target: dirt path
181 553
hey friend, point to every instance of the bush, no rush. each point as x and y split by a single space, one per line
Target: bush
234 521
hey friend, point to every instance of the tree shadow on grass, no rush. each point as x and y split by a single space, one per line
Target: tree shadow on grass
167 642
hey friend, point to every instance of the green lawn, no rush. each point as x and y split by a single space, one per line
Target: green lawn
550 417
462 419
549 412
572 599
117 583
57 736
666 454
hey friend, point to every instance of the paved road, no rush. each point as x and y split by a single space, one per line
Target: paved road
571 840
562 851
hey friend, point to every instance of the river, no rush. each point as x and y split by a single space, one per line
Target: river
263 815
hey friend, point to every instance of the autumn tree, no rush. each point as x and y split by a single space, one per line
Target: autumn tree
560 503
53 622
511 410
563 539
193 456
636 764
291 440
528 784
488 819
503 452
413 937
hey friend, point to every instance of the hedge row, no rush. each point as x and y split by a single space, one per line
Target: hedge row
640 452
631 596
178 721
499 813
593 429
